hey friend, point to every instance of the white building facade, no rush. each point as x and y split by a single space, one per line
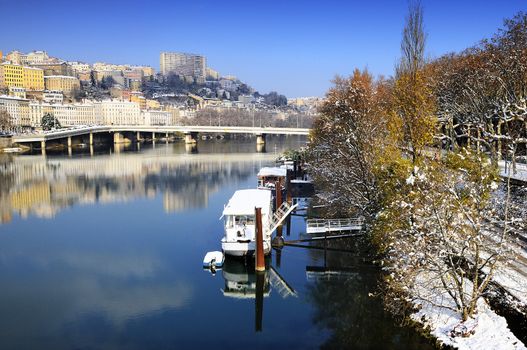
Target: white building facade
116 112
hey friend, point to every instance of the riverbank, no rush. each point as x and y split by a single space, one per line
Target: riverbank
499 319
485 330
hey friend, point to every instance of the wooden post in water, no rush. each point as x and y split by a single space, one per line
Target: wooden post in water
278 240
278 189
289 197
260 259
258 314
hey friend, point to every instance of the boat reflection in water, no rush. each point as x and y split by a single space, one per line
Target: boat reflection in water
243 282
241 279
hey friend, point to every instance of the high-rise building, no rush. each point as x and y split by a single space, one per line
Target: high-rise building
183 64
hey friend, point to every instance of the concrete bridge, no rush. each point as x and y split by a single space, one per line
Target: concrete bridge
118 131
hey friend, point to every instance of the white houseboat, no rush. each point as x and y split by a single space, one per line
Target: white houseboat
240 226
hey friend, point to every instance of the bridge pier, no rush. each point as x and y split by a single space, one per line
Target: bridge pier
43 147
69 141
153 136
191 148
260 148
118 137
138 136
260 139
91 138
191 138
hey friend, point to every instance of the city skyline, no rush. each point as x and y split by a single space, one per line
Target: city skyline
293 48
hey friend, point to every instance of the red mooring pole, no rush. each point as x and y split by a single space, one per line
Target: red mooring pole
278 190
260 260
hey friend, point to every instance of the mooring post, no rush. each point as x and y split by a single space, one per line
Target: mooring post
278 190
260 259
278 257
278 240
288 186
258 314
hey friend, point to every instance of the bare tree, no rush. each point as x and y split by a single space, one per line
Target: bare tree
413 42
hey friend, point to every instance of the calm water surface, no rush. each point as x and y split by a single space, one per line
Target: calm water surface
105 251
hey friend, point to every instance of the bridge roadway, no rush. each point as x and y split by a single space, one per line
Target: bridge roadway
188 130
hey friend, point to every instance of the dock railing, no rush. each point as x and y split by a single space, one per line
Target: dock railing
331 225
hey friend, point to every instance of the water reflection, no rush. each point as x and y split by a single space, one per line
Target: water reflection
240 280
43 186
106 251
341 292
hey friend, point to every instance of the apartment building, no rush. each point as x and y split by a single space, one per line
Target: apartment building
67 84
115 112
183 64
18 109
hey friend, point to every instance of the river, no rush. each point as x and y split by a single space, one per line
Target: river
104 251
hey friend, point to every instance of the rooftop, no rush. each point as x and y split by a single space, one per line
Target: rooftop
243 202
272 171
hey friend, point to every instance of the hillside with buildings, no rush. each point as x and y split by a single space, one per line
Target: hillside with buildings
185 90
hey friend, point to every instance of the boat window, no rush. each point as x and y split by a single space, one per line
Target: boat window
229 221
244 220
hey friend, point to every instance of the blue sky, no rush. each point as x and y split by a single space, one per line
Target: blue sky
293 47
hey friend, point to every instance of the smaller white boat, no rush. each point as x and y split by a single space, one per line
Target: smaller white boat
213 259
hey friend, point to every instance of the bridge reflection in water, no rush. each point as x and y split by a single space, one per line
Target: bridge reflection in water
43 186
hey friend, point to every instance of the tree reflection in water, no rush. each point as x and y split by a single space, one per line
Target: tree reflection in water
343 306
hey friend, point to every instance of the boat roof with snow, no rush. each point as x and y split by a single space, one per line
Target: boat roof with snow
272 171
243 202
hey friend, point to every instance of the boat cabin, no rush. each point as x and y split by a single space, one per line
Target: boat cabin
239 217
268 176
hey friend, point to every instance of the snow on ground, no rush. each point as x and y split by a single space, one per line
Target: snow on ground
519 174
490 331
